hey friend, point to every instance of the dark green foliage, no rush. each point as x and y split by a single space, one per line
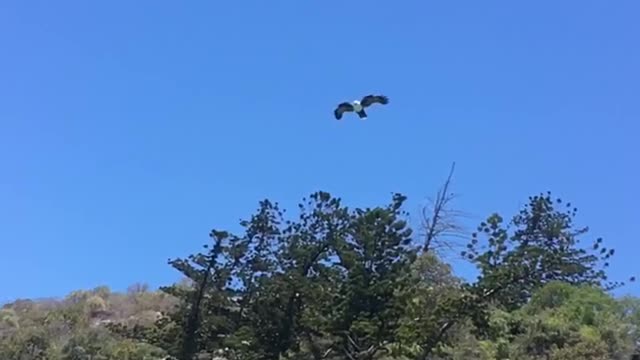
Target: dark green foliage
338 283
375 259
343 282
542 247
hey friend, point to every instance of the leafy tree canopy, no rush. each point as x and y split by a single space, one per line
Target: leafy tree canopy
332 282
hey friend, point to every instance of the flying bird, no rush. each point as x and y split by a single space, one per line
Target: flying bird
358 106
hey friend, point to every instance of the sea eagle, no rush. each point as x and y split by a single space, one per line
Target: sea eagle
358 106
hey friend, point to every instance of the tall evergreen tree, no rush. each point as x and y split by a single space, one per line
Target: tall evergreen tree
543 246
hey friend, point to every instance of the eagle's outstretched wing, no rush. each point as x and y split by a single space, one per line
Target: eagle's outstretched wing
372 99
342 108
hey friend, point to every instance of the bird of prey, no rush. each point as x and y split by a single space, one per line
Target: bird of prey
358 106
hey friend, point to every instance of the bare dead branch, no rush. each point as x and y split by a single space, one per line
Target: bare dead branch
354 351
440 222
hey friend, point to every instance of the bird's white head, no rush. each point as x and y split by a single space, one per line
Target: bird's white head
356 102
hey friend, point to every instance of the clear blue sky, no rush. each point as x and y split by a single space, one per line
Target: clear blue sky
129 129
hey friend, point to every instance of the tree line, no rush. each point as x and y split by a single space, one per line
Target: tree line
333 282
